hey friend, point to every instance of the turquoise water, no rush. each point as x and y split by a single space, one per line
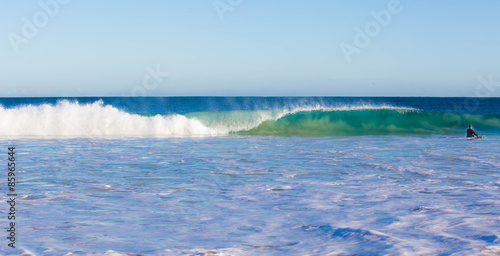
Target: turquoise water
254 181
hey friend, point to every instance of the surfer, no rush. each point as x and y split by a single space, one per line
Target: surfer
471 132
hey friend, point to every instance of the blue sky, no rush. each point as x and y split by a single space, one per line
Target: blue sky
257 47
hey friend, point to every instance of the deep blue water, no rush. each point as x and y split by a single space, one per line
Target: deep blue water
482 106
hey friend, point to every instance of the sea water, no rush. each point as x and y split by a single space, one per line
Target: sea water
253 176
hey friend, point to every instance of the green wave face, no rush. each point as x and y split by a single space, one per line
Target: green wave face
373 122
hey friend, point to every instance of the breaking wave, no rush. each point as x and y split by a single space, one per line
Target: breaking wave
72 119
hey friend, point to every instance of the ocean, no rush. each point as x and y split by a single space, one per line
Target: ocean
252 176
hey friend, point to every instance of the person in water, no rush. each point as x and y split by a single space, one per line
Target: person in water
471 132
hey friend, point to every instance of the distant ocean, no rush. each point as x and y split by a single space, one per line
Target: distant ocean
253 175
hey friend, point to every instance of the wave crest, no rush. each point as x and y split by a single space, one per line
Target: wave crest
81 120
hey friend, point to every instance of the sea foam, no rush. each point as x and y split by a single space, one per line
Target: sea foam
80 120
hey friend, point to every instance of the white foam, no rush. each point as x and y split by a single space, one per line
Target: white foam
71 119
349 108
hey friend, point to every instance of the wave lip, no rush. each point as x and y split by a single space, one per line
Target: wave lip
71 119
238 122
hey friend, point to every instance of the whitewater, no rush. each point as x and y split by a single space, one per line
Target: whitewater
254 176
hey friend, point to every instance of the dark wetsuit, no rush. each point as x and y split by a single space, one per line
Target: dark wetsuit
471 133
